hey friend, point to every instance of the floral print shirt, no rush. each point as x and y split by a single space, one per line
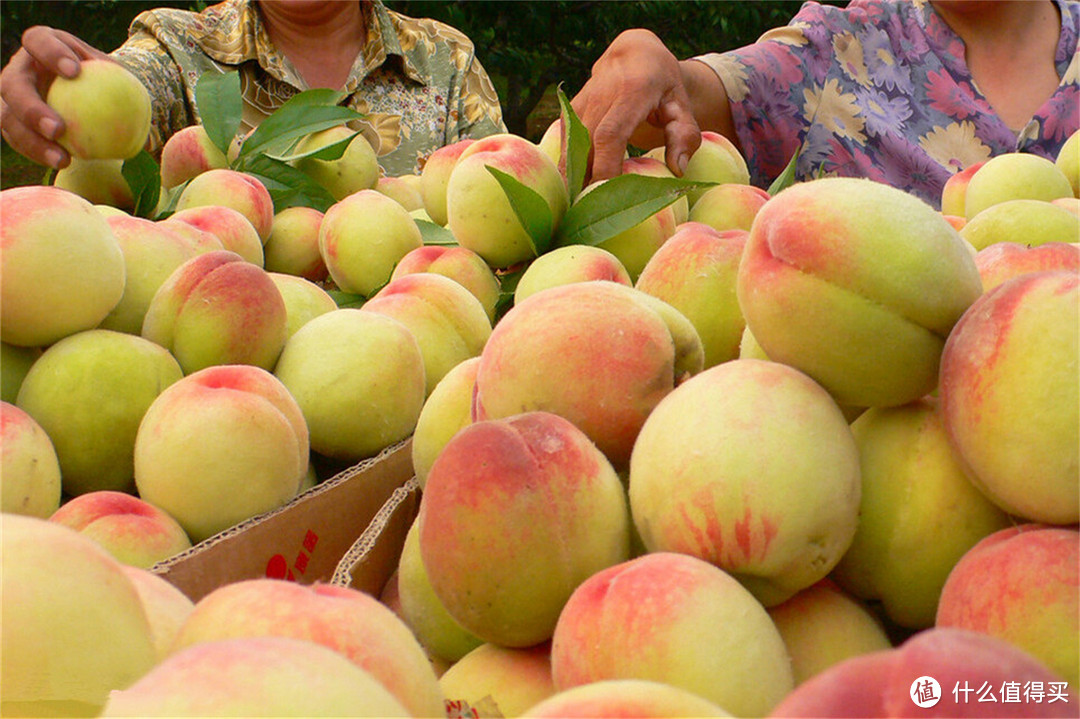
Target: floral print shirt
880 89
417 80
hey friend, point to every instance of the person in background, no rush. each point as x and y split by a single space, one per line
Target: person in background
906 92
418 81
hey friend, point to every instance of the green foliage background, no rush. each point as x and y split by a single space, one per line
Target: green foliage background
527 46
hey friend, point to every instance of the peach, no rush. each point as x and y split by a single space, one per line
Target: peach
436 174
1021 584
625 698
822 625
362 237
913 487
857 284
479 212
537 359
1068 161
105 109
89 392
220 446
189 152
1010 395
304 300
728 206
293 245
678 620
515 514
215 309
1028 222
695 272
572 263
1072 204
28 465
715 473
973 675
131 529
1014 176
447 409
716 160
357 168
1005 260
152 252
255 677
191 235
449 323
405 189
166 606
235 231
345 620
238 190
498 679
459 264
954 191
440 634
73 626
98 181
689 352
56 247
15 362
350 358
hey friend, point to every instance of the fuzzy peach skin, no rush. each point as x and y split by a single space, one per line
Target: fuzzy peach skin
255 677
293 245
54 246
1014 176
235 231
1005 260
201 240
152 252
216 309
304 300
98 181
357 168
1010 395
72 625
350 622
220 446
349 358
885 683
443 638
515 514
750 466
459 264
954 191
436 174
695 272
589 351
187 153
449 323
362 237
857 284
232 188
477 209
716 160
823 625
1068 161
624 698
913 487
675 619
167 608
1029 222
89 392
572 263
403 189
28 465
728 206
1021 584
134 531
447 409
105 109
493 679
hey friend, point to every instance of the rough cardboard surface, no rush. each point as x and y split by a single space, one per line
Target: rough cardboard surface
303 541
374 556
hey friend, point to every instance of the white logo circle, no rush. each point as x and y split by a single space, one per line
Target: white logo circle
925 692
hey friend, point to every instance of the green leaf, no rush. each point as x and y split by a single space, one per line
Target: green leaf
302 114
617 205
531 209
287 185
508 282
217 97
786 178
433 234
346 299
578 145
333 151
172 196
143 176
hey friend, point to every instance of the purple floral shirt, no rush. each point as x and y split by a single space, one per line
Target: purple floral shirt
880 89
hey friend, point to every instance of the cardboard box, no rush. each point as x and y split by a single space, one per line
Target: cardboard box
306 540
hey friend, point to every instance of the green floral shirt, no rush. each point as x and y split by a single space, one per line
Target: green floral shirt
417 80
